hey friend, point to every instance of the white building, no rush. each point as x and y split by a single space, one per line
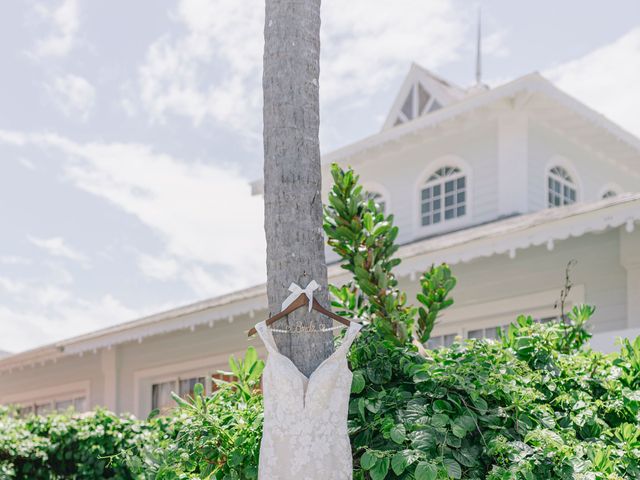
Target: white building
507 185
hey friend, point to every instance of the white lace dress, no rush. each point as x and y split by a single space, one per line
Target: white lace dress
305 419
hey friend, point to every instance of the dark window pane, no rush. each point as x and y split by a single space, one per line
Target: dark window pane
436 190
448 200
426 193
435 106
475 333
423 98
187 385
436 204
461 210
448 186
448 214
426 220
436 217
435 342
461 182
448 339
461 196
426 207
407 108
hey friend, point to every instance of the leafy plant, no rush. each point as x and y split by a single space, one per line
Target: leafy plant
364 238
215 437
518 408
70 445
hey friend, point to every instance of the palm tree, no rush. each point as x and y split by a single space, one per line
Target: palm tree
292 177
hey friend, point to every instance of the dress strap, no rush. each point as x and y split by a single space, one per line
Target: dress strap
266 336
350 336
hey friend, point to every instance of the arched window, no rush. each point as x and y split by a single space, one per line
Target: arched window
609 194
561 188
443 197
379 199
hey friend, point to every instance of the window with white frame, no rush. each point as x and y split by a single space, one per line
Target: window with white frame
161 398
609 194
220 377
561 187
417 102
443 197
490 332
441 341
493 331
57 404
378 198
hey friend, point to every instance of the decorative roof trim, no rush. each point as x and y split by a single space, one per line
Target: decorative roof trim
521 232
495 238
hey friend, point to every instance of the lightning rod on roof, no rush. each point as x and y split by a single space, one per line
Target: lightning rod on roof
479 49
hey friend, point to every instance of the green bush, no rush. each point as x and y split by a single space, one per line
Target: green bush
71 446
516 408
215 437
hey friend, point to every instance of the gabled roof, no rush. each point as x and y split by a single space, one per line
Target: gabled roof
422 92
532 92
540 98
507 235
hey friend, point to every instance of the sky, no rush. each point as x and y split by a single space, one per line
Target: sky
129 131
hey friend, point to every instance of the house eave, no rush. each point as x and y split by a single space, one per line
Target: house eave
505 236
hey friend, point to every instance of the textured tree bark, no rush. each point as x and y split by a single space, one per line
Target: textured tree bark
292 177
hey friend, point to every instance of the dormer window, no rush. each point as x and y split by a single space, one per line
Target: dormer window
443 196
610 190
417 103
561 188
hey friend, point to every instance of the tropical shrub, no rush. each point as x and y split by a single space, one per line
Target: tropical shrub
215 437
517 408
71 446
364 237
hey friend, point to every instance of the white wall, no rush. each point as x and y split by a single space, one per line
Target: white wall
401 168
593 171
499 287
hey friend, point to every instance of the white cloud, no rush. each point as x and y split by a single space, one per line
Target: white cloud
367 44
226 32
14 260
26 163
209 221
11 286
364 46
607 80
158 268
57 247
49 314
64 20
73 95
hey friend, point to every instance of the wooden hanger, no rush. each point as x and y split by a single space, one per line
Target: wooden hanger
301 301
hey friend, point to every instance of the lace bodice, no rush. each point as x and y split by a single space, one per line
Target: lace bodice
305 419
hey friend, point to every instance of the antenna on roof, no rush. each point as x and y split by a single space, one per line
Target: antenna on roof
479 50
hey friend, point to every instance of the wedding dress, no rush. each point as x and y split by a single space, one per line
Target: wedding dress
305 419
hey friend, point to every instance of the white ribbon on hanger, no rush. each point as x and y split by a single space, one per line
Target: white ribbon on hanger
296 291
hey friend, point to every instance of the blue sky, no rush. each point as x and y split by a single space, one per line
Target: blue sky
129 131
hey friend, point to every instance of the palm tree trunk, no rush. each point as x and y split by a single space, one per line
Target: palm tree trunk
292 178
